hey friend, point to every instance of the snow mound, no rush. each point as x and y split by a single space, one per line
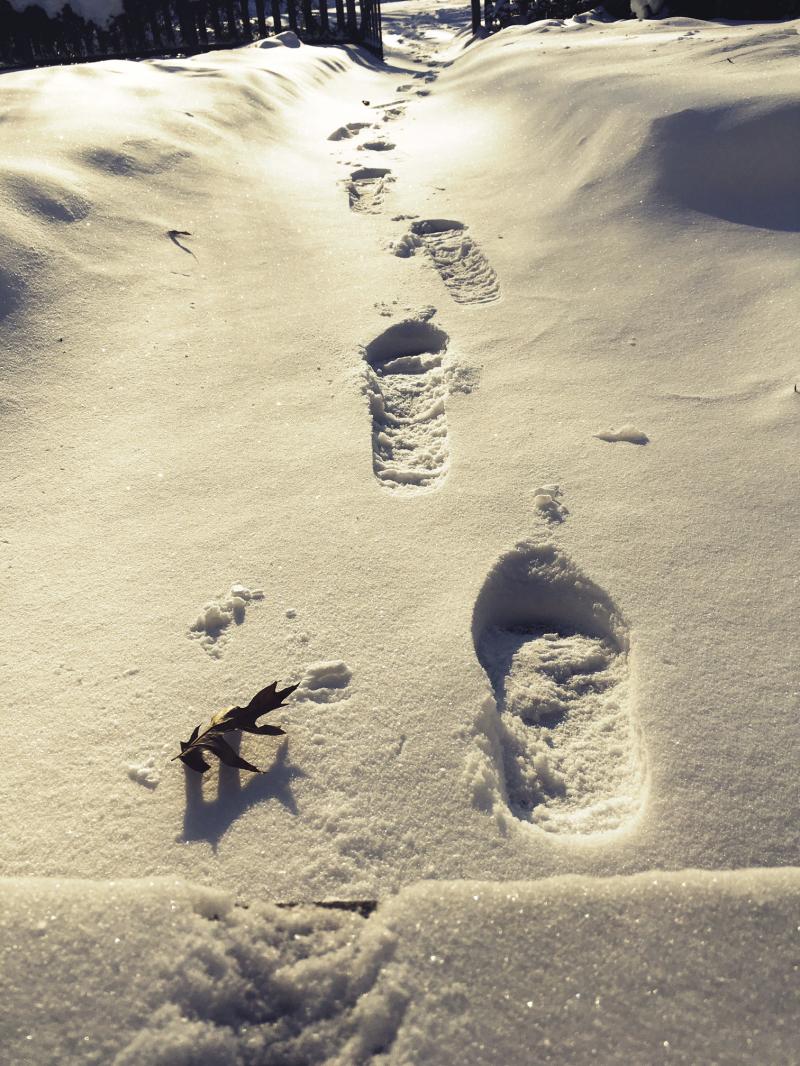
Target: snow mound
287 39
739 162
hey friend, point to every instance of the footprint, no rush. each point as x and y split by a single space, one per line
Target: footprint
555 649
366 189
406 387
376 146
325 682
461 264
350 129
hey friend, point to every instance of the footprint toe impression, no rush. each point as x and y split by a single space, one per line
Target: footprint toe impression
461 264
555 649
406 388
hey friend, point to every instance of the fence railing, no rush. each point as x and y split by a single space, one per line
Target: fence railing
495 14
166 27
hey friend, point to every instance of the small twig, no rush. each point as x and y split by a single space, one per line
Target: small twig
173 235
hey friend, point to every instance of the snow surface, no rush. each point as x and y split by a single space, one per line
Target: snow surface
658 968
241 349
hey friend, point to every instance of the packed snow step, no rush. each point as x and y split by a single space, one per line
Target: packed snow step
555 649
406 386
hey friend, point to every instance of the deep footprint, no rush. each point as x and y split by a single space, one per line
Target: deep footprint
366 188
376 146
461 264
350 129
555 649
406 388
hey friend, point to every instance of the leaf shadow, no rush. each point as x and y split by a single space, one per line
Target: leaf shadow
210 819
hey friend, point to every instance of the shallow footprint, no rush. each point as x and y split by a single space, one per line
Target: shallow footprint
555 649
461 264
406 388
366 188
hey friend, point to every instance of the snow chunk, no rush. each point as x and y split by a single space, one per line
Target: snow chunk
627 433
546 501
145 772
217 615
406 246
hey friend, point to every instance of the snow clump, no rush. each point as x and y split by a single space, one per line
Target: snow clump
217 615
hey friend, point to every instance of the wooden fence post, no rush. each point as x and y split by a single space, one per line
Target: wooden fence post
247 31
476 15
341 25
169 27
201 20
323 18
308 17
231 31
352 20
260 18
152 22
291 8
276 16
215 23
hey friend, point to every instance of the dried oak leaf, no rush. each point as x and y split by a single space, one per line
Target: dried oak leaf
243 719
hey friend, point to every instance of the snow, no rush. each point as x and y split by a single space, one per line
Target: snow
271 412
668 967
627 433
